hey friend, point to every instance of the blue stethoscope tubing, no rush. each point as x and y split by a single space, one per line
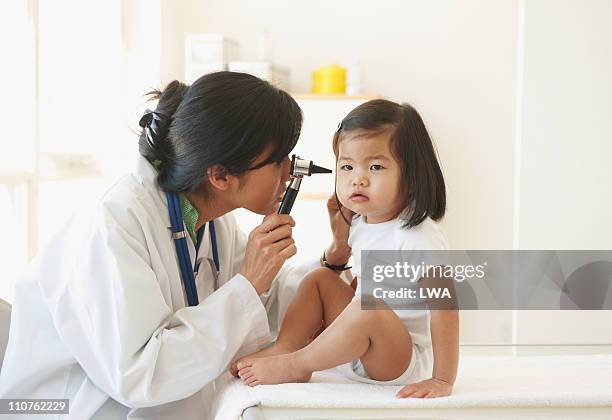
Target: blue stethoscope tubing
179 236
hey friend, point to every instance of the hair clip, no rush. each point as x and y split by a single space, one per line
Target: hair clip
148 123
146 118
151 123
339 126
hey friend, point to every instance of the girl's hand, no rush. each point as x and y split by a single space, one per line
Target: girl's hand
339 251
430 388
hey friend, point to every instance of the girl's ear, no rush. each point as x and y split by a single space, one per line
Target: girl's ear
219 178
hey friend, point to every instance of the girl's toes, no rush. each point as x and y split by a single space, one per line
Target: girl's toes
251 381
254 382
243 364
245 373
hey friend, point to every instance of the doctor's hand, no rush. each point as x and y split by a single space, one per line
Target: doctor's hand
269 246
339 251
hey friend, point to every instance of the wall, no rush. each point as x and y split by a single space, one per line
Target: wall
565 143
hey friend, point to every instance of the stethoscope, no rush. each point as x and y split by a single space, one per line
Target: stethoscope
179 235
150 124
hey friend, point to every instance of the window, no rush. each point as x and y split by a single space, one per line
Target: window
64 133
17 142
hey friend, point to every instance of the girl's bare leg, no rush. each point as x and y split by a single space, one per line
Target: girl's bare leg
377 337
320 298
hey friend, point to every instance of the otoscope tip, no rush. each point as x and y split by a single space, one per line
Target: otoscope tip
320 170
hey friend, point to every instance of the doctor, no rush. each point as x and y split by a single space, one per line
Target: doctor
128 318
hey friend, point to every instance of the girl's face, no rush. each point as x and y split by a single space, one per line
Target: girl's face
368 176
261 190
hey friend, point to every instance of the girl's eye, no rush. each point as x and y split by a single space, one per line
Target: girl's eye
376 167
346 168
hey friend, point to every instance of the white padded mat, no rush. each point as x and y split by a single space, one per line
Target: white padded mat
484 381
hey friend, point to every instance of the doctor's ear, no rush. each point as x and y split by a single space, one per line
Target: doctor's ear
220 178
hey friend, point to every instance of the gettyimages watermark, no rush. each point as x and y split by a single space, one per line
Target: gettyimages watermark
501 279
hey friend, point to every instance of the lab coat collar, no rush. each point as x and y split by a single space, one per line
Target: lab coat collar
146 175
145 172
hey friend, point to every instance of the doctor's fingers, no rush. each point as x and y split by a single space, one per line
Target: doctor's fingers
281 232
288 252
276 248
272 221
259 238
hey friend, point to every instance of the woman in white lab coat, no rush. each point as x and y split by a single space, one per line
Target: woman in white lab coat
101 316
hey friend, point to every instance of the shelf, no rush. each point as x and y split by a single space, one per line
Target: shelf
15 177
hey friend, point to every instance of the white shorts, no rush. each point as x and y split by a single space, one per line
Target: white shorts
419 369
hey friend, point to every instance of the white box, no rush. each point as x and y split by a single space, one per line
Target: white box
266 70
207 53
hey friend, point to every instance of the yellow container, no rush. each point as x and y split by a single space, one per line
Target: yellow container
329 79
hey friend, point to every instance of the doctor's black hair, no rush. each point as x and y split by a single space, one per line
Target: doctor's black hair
422 182
223 118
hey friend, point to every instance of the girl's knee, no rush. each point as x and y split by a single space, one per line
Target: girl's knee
324 273
369 315
314 277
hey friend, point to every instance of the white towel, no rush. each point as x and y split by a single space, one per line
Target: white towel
486 381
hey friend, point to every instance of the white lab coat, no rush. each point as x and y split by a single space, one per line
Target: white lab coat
100 317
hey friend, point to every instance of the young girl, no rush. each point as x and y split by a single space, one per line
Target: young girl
389 177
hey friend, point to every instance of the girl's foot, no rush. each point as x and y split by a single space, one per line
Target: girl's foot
273 350
278 369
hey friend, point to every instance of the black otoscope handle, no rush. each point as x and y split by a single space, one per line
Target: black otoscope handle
288 200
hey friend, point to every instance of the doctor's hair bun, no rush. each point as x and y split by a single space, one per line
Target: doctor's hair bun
230 119
160 151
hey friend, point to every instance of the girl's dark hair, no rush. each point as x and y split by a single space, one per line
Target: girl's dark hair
422 183
223 118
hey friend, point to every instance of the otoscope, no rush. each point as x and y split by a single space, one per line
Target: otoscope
299 168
